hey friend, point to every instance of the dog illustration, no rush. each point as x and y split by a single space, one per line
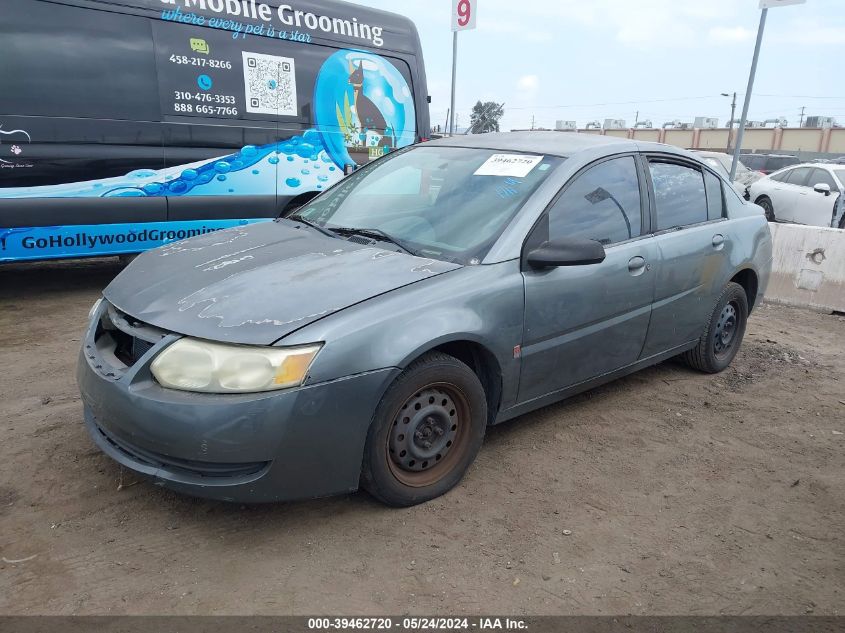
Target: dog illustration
369 115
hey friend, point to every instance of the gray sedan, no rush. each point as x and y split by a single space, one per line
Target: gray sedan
370 337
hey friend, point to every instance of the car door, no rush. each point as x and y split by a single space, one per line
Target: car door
688 215
585 321
815 208
791 193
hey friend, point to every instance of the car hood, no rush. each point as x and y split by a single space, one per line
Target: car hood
256 284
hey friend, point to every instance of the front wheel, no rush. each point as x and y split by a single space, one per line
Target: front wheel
427 430
723 333
768 207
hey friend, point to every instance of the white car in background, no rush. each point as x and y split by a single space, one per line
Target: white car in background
810 193
721 162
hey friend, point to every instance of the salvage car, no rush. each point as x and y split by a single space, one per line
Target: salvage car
722 163
371 336
809 194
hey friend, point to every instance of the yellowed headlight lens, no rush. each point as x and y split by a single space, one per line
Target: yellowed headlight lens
206 367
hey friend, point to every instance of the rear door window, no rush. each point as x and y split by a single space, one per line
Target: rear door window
679 194
798 176
603 204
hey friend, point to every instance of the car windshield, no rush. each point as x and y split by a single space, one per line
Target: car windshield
449 203
840 174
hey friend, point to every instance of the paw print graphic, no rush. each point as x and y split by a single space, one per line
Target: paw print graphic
16 150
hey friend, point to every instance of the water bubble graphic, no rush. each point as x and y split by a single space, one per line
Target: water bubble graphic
293 182
125 192
306 150
190 174
223 167
178 187
221 178
290 159
273 160
249 151
256 171
153 188
305 172
141 173
323 178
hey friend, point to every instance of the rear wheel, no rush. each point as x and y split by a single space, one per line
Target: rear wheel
722 335
768 207
427 430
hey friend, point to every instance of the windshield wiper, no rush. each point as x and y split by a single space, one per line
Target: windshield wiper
376 234
298 218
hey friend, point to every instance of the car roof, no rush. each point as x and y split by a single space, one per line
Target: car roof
563 144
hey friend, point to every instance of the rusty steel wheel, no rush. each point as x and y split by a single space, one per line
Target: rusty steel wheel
429 436
426 432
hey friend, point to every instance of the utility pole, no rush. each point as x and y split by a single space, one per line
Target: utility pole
532 121
454 80
802 116
731 120
748 91
636 118
764 6
463 18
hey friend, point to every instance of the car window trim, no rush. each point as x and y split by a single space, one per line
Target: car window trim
659 157
542 219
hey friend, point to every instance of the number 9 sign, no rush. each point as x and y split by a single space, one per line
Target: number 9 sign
463 14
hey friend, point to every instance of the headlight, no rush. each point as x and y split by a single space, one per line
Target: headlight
94 308
194 365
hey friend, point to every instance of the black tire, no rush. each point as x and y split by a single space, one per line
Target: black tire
442 403
768 207
723 333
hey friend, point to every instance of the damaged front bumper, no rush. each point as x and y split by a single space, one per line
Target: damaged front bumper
293 444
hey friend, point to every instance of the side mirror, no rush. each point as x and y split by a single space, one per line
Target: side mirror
574 251
822 188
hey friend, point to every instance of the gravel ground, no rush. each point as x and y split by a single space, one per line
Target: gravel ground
667 492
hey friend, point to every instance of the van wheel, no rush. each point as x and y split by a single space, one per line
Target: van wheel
723 333
427 430
766 203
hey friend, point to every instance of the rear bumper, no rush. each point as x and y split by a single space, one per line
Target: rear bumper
279 446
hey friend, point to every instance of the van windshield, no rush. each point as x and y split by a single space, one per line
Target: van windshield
448 203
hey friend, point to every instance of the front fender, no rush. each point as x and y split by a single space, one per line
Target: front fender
480 304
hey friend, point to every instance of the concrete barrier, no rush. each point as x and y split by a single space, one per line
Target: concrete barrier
808 267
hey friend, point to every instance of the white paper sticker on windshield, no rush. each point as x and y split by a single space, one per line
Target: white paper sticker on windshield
515 165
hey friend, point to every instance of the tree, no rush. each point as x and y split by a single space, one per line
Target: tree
485 117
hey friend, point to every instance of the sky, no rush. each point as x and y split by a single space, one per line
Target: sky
584 60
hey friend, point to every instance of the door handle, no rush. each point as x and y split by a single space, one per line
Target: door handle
718 241
636 265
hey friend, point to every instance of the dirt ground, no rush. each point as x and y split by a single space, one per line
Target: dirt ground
668 492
